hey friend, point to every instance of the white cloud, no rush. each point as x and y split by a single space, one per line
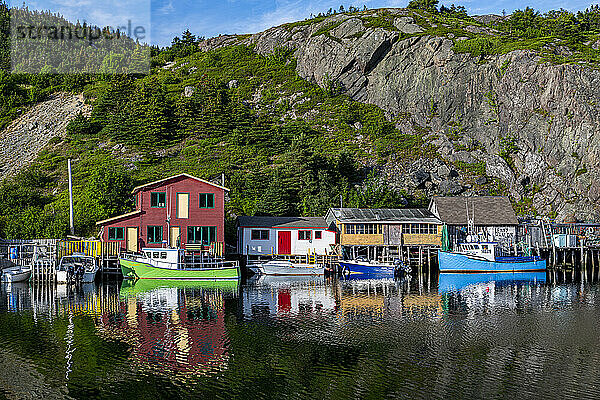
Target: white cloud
167 8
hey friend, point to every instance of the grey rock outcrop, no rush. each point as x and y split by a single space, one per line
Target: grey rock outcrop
549 113
25 137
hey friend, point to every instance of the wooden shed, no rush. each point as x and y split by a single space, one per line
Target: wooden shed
263 235
383 232
493 217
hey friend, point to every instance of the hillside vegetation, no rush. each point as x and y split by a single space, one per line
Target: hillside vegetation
286 146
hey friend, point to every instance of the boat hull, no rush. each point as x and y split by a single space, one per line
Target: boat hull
88 277
138 270
454 262
276 270
367 270
13 275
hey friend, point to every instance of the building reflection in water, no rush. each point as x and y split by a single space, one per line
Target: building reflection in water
175 327
169 328
285 296
420 296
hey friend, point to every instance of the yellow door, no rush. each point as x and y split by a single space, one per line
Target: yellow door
174 235
132 239
183 201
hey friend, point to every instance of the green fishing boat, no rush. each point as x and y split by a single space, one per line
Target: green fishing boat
173 264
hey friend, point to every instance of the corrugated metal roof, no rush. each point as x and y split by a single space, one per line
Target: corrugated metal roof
282 222
384 214
486 210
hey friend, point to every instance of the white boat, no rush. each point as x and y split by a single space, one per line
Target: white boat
283 267
76 268
16 274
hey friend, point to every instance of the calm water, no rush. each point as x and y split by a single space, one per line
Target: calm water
533 335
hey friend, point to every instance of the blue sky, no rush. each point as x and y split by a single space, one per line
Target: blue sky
168 18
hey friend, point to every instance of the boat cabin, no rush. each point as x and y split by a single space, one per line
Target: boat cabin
162 258
488 250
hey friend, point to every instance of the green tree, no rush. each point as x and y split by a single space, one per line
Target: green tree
425 5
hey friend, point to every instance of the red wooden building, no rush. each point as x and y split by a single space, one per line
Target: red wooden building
180 210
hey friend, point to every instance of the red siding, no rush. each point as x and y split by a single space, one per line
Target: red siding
158 216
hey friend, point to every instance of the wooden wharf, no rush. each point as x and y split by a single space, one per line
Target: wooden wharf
44 255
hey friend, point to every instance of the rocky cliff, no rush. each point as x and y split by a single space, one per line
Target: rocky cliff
528 124
24 138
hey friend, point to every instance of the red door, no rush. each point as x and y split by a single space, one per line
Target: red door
284 242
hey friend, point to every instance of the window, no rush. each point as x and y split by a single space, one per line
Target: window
260 234
424 229
158 200
433 229
155 234
207 200
304 235
183 201
116 233
349 229
202 234
318 234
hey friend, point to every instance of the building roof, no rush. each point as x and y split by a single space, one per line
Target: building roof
485 210
397 215
282 222
131 214
138 188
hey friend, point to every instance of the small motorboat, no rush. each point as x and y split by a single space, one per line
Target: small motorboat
284 267
16 274
376 269
77 268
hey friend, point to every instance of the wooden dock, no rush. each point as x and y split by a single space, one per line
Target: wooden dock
44 255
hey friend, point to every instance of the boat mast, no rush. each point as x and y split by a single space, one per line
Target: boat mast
470 219
72 226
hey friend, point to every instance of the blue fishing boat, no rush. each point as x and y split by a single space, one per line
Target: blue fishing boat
486 257
369 269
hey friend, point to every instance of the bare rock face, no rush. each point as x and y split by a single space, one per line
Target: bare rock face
25 137
550 114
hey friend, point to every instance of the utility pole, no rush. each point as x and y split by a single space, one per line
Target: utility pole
71 200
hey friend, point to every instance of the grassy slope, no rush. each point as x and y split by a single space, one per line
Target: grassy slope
252 140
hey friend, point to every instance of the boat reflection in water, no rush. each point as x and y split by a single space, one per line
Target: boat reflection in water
174 326
466 282
486 291
286 296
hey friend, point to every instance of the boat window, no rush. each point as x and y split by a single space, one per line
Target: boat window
155 254
484 246
148 254
163 255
